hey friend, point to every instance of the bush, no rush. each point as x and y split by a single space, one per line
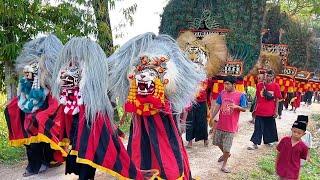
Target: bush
7 154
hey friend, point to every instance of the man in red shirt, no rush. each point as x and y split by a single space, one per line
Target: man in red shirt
268 93
230 102
291 150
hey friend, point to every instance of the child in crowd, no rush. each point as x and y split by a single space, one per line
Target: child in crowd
295 102
229 104
291 149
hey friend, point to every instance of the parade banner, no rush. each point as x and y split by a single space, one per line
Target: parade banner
301 81
286 84
286 79
250 80
315 82
232 68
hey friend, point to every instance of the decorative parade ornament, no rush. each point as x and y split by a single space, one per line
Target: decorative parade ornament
209 53
36 62
82 79
281 49
267 61
157 73
147 85
232 68
303 75
206 21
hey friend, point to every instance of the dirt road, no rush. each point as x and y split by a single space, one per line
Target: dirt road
203 160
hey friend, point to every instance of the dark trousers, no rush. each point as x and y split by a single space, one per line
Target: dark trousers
197 123
38 154
280 107
266 128
290 95
84 171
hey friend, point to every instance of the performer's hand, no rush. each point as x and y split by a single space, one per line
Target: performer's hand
182 128
275 115
211 123
233 106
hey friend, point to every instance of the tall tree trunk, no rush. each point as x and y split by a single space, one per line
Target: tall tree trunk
101 11
306 64
11 87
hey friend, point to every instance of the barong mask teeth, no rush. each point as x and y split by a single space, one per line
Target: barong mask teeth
70 76
148 73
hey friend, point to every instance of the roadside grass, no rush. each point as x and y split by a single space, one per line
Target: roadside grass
8 154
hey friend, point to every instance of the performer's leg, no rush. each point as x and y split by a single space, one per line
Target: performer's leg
257 134
71 165
47 154
86 172
34 154
190 129
270 134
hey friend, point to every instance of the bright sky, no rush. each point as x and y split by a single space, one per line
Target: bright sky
146 18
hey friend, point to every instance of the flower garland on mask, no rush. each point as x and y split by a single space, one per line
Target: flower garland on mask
148 104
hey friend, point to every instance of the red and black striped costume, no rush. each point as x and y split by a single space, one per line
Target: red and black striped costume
98 145
154 143
41 127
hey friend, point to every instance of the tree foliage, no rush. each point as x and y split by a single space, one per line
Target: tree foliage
301 8
22 20
300 37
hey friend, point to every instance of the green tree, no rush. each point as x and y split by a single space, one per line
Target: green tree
301 8
19 22
101 11
300 36
22 20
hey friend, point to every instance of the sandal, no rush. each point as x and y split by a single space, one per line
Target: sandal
225 170
189 145
43 168
206 143
27 174
253 147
